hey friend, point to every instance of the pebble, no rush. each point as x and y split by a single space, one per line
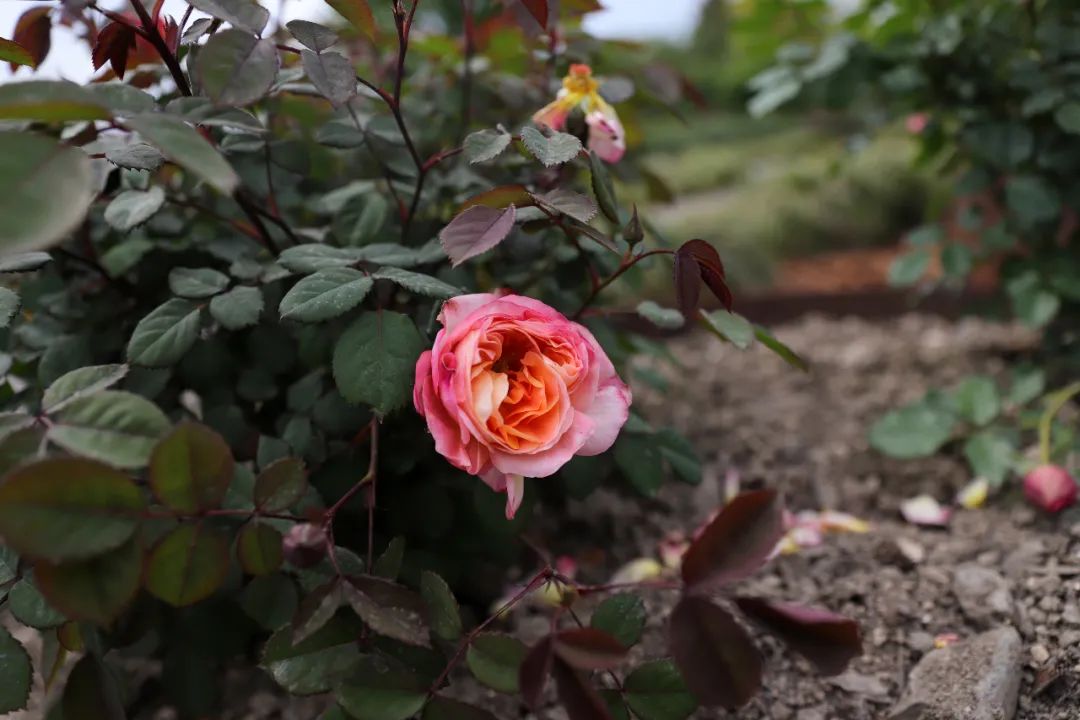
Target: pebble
1039 654
983 593
921 641
974 679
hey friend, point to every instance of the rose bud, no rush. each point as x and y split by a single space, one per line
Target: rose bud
304 545
1050 487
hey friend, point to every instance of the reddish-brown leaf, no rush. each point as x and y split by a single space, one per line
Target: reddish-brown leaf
589 649
114 43
715 655
539 10
736 543
535 668
687 283
712 269
827 640
33 31
577 696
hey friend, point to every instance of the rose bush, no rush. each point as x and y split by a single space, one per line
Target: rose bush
224 268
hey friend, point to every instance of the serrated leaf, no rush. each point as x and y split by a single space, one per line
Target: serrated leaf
485 145
9 305
49 101
270 600
34 219
656 691
388 609
191 469
187 565
98 508
326 294
569 203
197 283
358 13
443 611
238 308
475 231
80 383
555 150
258 548
29 606
165 335
378 691
388 565
621 616
315 611
731 327
317 663
236 68
417 282
132 208
280 485
312 35
97 589
113 426
245 14
16 672
313 257
182 144
332 74
495 660
24 262
375 359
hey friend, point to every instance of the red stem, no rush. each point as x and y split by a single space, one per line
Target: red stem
626 264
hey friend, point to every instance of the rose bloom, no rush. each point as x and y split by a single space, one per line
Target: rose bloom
512 389
606 136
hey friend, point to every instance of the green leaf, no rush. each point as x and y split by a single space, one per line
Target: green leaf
316 610
1033 304
13 52
388 565
992 455
187 565
359 15
258 548
80 383
656 691
244 14
680 455
476 230
325 295
165 335
555 150
1031 200
388 609
270 600
731 327
98 508
417 282
443 611
915 431
94 690
486 145
640 462
621 616
235 68
116 427
784 352
661 317
909 268
16 672
49 101
280 485
603 188
313 257
332 74
317 663
182 144
495 660
121 98
20 447
24 262
378 691
575 205
977 400
132 208
238 308
191 469
97 589
34 219
136 156
312 35
29 607
957 260
1068 117
197 283
9 565
1000 144
1028 383
9 305
375 360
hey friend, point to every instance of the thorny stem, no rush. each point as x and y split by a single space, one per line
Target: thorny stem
163 49
627 263
370 478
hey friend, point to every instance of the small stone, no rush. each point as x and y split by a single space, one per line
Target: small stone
921 641
911 550
984 595
1071 614
1039 654
859 684
1069 638
975 679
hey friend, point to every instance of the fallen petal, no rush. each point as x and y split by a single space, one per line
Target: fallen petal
925 510
974 494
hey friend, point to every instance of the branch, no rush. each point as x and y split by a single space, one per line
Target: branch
626 264
163 49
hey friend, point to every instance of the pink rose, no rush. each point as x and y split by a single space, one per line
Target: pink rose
512 389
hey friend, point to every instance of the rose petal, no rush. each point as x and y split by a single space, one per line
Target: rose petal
973 495
925 510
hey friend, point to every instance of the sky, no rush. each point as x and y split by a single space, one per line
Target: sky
69 58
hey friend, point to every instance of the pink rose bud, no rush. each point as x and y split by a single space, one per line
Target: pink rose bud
1050 487
512 389
304 545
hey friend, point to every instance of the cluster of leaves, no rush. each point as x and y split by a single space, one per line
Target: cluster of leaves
991 89
221 261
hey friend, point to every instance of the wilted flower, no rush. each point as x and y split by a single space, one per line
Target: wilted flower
581 90
1050 487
